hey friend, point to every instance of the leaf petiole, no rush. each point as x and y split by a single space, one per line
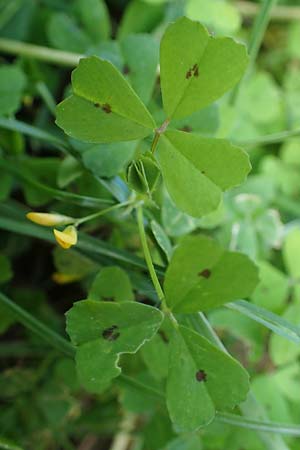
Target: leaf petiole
101 213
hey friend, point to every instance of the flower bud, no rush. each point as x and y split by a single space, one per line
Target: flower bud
67 237
143 174
49 220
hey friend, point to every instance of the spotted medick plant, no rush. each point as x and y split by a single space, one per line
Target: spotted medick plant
195 70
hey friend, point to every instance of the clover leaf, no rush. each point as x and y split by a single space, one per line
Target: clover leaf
101 331
196 170
103 107
201 380
196 68
201 275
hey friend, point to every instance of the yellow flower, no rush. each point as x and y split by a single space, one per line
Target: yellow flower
67 237
49 220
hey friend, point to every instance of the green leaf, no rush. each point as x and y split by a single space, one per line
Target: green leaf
94 16
141 52
72 263
202 275
43 169
102 331
6 272
69 170
272 291
64 34
103 107
155 353
161 238
277 324
282 351
186 442
6 184
202 379
12 83
220 16
107 160
111 284
196 68
140 17
196 170
291 253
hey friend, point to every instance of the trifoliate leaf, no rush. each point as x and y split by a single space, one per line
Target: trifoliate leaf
196 68
103 107
202 275
201 380
102 331
196 170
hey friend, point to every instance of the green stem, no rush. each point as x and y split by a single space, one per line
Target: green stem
37 327
280 13
256 37
46 54
101 213
259 28
148 259
273 138
155 142
158 132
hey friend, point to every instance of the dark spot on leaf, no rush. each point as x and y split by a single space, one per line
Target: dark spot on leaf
203 171
97 105
201 375
188 74
111 333
186 128
206 273
126 70
106 108
163 336
108 299
194 71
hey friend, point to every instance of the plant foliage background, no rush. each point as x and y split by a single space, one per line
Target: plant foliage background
144 366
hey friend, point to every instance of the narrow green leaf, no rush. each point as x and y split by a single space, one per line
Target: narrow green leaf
161 238
102 331
196 68
111 284
259 425
277 324
202 379
196 170
202 275
103 107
